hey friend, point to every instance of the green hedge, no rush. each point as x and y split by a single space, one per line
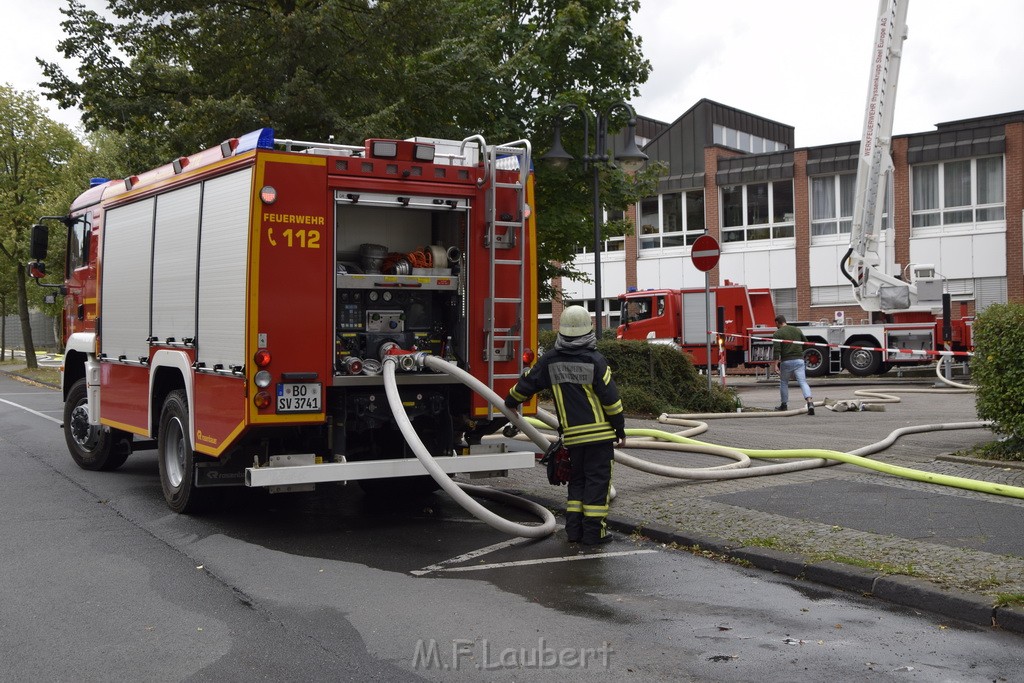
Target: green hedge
997 367
655 379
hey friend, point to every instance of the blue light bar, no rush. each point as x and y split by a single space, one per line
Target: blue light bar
262 138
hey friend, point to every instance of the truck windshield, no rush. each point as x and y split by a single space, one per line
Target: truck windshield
633 310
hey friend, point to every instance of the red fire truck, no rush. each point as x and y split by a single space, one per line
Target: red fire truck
232 309
743 321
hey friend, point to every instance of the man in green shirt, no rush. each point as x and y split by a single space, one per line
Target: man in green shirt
789 361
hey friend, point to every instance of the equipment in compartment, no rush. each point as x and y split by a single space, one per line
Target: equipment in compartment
368 319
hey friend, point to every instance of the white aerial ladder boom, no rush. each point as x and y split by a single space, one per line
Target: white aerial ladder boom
875 285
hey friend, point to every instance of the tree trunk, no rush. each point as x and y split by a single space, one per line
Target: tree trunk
26 326
3 329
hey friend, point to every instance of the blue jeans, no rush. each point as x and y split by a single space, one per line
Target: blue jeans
792 368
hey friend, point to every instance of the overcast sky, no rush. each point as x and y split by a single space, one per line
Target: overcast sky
800 62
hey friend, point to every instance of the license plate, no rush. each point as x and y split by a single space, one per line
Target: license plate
298 398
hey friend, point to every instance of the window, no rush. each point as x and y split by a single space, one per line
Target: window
757 211
610 311
635 310
747 142
832 204
78 244
984 291
960 193
673 219
785 302
989 172
617 243
544 315
833 295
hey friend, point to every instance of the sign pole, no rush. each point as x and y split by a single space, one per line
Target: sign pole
704 254
707 321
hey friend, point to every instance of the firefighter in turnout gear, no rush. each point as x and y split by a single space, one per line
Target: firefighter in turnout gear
590 420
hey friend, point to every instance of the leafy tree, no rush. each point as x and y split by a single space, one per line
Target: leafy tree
34 153
174 76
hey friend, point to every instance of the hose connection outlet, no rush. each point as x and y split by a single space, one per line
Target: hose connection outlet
353 365
392 351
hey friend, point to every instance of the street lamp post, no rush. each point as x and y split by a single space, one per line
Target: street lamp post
631 159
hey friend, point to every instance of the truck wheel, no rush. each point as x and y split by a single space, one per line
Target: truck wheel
176 457
815 362
862 362
91 446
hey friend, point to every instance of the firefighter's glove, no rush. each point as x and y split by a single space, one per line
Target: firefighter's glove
511 403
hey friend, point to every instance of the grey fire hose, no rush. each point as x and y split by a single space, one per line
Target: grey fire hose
459 491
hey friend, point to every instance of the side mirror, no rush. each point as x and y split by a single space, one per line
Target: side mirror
40 242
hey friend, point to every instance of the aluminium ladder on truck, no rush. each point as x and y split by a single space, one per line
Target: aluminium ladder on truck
506 241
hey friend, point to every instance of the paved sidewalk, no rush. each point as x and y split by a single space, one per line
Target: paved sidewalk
946 550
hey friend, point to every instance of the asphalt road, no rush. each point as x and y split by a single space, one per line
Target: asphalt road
99 581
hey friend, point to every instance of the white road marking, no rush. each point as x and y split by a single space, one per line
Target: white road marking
465 557
29 410
545 560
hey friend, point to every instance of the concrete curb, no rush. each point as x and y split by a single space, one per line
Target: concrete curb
16 373
31 379
999 464
1010 618
903 590
913 592
845 576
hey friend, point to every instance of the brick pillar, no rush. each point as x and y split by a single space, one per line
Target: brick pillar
802 232
901 201
1014 168
712 222
556 303
632 249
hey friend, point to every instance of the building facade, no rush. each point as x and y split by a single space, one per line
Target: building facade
783 215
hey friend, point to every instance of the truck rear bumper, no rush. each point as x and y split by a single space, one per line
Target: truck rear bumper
296 469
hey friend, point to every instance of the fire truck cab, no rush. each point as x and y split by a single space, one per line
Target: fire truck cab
232 309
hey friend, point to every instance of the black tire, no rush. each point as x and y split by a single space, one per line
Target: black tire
92 447
815 362
862 362
176 458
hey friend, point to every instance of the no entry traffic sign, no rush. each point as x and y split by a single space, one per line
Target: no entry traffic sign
705 253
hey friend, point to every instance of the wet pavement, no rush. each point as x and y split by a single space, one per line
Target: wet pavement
946 550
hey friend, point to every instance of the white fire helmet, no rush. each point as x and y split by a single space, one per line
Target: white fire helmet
575 322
